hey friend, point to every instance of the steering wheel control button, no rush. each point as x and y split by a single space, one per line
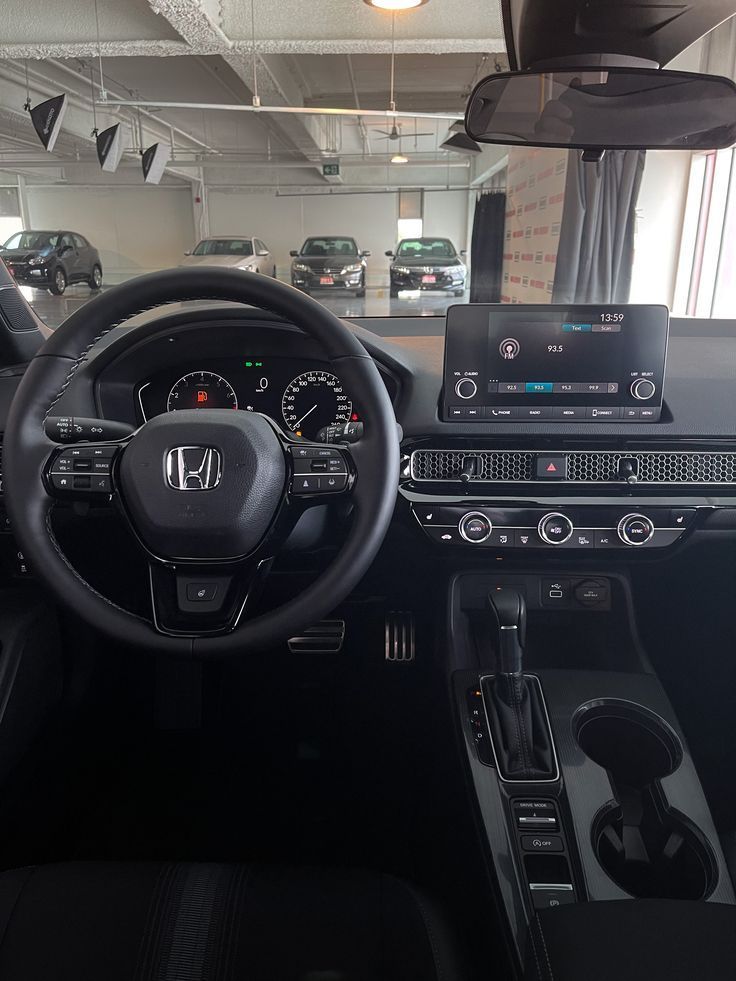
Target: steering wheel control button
643 389
555 529
202 592
201 595
635 529
551 467
475 527
541 843
83 469
466 388
555 593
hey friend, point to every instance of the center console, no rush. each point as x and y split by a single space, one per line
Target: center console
581 775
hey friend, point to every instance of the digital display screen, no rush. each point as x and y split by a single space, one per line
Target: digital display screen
597 363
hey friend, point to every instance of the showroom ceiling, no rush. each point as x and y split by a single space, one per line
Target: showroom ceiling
201 52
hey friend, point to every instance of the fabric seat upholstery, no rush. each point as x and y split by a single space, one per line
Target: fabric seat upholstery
208 922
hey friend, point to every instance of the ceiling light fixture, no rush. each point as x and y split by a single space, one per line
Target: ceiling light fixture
399 158
395 4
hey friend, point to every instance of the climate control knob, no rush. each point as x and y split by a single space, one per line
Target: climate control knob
465 388
475 527
555 529
635 529
643 389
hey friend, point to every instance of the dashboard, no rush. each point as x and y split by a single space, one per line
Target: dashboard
301 395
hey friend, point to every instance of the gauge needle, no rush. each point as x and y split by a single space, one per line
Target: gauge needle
298 424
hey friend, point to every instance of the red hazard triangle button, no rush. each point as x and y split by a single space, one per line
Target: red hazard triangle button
551 467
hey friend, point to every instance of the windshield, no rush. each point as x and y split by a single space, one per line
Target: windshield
329 246
426 248
32 240
345 191
224 246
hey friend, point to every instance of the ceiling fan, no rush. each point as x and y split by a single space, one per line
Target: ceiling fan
395 133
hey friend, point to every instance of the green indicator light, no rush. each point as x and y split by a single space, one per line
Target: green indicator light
259 364
248 364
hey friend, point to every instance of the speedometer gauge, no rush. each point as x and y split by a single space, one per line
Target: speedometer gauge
202 390
313 400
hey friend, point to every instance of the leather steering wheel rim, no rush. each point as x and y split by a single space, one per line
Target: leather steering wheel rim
27 448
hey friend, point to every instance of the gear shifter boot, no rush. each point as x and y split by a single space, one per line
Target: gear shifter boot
519 729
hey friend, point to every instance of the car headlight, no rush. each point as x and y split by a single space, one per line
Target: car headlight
37 260
300 267
402 270
356 267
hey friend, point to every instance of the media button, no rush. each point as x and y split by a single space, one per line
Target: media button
570 412
603 414
474 412
457 411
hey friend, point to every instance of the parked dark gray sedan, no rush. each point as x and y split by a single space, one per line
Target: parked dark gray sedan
52 260
329 262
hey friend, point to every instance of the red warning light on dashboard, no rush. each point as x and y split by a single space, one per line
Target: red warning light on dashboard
201 397
551 468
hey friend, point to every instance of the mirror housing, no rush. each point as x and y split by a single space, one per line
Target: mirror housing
262 252
604 108
366 253
293 253
390 255
463 251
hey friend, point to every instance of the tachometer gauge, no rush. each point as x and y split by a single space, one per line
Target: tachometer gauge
202 390
313 400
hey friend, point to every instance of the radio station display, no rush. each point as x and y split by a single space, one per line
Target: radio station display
554 363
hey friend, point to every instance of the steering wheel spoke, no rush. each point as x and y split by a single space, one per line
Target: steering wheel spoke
193 600
319 471
82 472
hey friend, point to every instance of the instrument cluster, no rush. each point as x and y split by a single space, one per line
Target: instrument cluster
301 397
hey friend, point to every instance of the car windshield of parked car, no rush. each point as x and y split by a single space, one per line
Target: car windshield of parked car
32 240
224 246
329 246
426 248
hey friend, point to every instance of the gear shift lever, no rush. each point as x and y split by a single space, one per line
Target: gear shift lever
509 609
521 736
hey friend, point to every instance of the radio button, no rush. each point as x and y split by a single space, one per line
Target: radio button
555 528
635 529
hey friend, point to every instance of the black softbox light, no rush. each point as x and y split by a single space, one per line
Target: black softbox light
46 118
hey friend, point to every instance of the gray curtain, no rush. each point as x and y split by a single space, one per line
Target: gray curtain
596 250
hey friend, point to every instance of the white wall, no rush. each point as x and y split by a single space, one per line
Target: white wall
446 214
136 229
284 222
660 210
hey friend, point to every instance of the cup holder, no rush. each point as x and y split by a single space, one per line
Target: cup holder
648 849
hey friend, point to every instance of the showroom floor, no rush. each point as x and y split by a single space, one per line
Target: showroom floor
54 310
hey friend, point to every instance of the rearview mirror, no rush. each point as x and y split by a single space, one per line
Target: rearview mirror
604 108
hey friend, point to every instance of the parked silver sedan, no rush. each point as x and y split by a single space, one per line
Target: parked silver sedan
236 252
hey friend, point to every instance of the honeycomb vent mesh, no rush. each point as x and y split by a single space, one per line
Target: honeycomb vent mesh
502 465
595 466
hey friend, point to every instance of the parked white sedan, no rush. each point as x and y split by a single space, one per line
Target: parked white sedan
236 252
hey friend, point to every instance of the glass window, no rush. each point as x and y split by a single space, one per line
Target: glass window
426 248
224 246
80 242
329 245
32 240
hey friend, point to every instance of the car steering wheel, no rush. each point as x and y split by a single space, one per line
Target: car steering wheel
210 495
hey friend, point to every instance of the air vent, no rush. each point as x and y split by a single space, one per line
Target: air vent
583 467
507 466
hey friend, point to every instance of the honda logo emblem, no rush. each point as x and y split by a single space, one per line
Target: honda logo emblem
193 468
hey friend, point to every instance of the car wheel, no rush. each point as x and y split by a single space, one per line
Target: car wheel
95 280
58 283
458 292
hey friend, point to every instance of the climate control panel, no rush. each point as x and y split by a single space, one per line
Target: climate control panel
583 528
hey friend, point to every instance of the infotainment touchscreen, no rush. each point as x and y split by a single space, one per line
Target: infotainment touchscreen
555 363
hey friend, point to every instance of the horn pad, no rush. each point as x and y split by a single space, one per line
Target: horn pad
185 503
